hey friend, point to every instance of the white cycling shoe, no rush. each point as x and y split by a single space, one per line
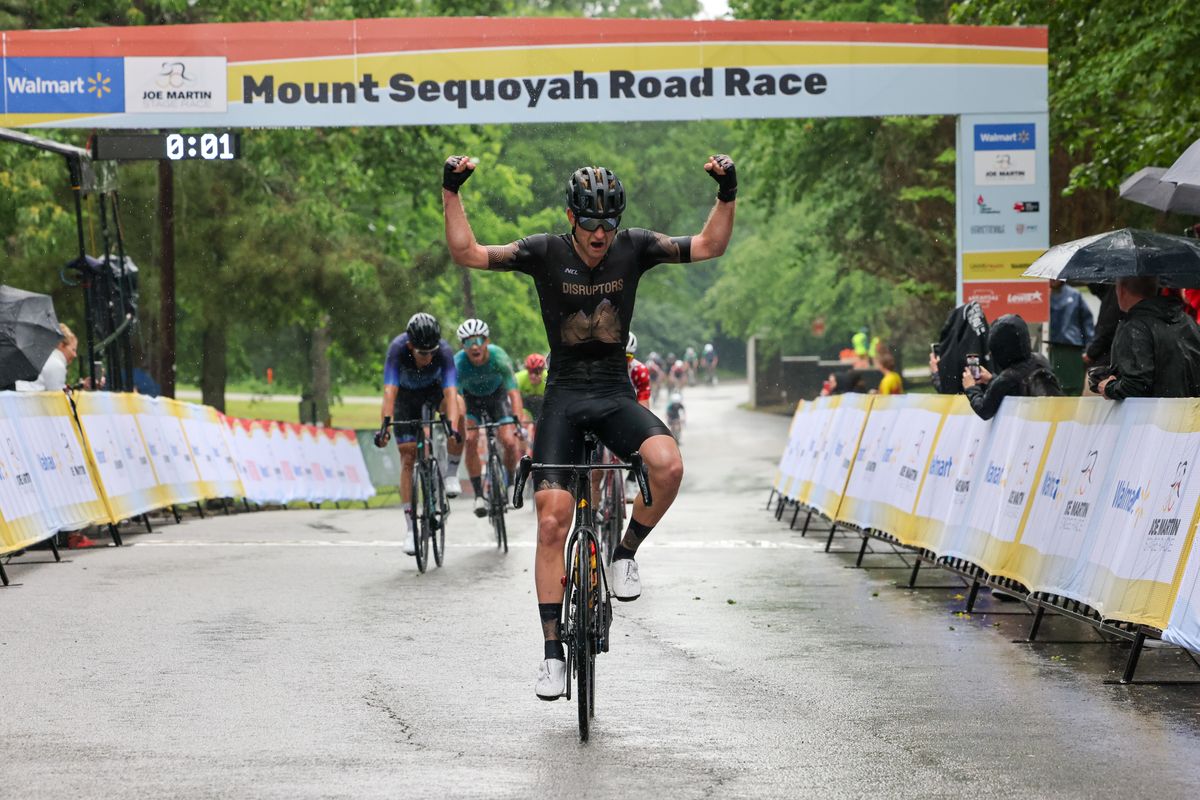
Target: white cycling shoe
410 549
481 507
453 486
624 580
552 679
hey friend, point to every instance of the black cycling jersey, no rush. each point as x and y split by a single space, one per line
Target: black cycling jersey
587 311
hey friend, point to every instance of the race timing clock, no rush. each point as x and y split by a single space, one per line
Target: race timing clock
207 146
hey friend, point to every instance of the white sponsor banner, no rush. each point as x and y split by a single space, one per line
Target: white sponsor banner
838 454
175 85
955 470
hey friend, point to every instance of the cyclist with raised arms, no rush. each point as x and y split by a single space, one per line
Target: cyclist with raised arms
419 369
587 283
488 385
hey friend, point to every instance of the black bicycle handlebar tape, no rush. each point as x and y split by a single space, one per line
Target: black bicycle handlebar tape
519 484
727 183
452 181
643 481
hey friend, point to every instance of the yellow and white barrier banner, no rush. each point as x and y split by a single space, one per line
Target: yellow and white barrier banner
892 459
131 485
46 481
169 450
210 448
1082 498
839 448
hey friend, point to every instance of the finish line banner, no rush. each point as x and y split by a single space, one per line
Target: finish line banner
478 70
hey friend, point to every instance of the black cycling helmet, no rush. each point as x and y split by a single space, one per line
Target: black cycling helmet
424 331
595 192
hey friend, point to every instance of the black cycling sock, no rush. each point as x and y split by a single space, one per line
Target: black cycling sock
635 534
548 612
477 485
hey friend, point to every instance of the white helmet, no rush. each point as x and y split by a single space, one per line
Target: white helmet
676 397
708 348
631 345
472 327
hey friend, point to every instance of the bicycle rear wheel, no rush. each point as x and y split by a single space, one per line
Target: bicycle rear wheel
437 506
420 508
497 503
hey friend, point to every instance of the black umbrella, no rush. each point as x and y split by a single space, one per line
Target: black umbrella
1127 253
1148 187
28 334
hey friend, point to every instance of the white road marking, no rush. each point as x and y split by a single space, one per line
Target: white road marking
716 544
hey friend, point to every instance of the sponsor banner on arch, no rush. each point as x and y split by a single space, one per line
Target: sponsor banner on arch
453 71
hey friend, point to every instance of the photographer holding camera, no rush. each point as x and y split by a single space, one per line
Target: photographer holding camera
1156 349
1020 371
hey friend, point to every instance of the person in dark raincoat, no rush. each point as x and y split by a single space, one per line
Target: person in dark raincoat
1156 350
1020 372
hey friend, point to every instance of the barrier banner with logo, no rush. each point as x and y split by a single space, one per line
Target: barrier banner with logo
784 474
169 451
1009 466
896 444
207 438
806 445
952 477
827 483
440 71
47 483
130 484
352 467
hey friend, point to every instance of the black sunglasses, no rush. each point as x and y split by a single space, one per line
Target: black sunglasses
591 223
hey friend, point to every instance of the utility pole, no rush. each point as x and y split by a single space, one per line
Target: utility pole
166 308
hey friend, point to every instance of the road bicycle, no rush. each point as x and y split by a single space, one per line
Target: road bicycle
429 505
495 488
587 602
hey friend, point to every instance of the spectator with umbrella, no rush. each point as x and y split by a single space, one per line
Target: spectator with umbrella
1156 348
29 333
53 377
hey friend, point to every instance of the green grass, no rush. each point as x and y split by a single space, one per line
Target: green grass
345 415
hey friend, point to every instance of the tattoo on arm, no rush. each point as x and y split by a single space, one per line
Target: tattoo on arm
674 250
499 255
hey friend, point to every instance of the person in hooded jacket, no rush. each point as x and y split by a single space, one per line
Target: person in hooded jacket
1020 372
1156 350
964 332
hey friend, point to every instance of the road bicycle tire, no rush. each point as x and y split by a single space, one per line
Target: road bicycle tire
438 510
582 639
497 503
420 508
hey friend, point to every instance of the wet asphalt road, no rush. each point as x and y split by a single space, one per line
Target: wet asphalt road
299 654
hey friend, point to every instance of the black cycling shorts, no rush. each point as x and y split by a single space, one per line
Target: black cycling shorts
408 406
495 405
613 415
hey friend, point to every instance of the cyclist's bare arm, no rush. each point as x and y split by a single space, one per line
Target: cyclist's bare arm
464 249
718 228
518 404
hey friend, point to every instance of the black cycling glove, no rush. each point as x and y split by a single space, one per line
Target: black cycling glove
727 183
451 180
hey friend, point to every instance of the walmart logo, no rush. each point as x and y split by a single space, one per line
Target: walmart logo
99 84
64 85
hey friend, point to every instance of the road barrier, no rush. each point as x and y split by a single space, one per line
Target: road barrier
1086 506
97 458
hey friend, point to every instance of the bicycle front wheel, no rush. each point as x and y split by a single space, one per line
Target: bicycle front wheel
437 512
581 642
420 508
497 503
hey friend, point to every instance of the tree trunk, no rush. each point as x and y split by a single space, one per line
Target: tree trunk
468 294
321 380
213 371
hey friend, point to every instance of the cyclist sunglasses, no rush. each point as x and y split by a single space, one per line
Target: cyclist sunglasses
591 223
426 351
474 341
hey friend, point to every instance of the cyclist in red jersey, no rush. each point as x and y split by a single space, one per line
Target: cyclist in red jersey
639 373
